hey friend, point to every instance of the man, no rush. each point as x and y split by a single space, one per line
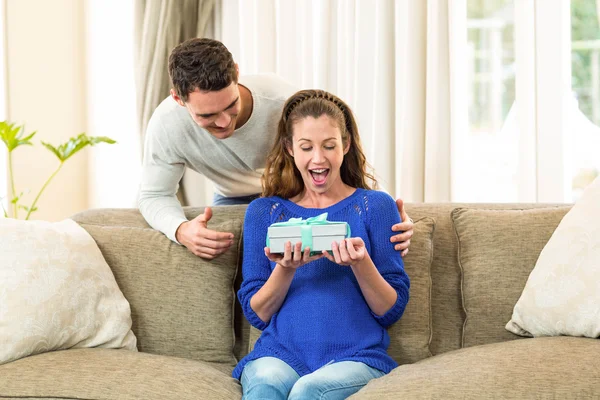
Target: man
218 127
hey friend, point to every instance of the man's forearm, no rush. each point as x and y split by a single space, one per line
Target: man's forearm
158 202
163 213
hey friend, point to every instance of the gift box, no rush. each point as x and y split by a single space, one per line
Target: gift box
317 233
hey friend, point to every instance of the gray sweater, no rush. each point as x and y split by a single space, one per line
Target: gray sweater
174 141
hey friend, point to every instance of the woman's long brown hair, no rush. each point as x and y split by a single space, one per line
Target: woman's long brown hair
281 177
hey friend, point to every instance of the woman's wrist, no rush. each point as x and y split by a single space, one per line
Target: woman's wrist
285 271
363 265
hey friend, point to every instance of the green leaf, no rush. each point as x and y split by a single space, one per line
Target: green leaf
52 149
13 136
101 139
74 144
16 199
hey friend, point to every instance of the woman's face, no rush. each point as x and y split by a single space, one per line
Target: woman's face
318 152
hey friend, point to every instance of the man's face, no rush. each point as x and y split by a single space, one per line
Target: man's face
215 111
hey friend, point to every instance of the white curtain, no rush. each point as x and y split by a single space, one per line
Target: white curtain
389 59
160 25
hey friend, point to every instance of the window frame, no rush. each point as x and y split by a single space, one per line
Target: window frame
553 94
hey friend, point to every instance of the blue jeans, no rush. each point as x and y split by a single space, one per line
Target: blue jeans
272 379
219 200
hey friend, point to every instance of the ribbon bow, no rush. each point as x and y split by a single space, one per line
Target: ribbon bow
318 220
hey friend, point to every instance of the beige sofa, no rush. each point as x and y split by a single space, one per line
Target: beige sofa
468 265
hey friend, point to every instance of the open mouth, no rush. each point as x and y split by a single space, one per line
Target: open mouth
319 176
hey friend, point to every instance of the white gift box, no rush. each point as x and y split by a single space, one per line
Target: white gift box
318 237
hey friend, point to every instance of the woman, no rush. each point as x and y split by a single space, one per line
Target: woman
324 317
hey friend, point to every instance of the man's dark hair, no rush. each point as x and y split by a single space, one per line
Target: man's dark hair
201 63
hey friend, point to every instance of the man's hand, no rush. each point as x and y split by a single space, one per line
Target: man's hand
202 241
406 226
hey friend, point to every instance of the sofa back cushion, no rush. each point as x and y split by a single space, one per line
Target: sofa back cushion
446 296
497 250
410 337
181 304
446 308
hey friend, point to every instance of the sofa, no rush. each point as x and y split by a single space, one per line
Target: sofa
468 264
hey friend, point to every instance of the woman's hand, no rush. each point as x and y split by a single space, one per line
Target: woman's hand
292 260
349 252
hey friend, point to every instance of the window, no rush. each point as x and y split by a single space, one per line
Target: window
533 100
585 106
487 166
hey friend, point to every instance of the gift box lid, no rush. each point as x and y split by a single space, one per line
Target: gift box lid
317 226
332 229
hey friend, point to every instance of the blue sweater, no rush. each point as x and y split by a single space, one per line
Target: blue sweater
324 317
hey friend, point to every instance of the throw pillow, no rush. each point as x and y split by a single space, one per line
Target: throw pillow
562 294
497 249
409 337
57 292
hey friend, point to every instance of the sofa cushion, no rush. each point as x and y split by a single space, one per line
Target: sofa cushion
541 368
410 337
57 292
562 294
131 217
497 249
181 304
111 374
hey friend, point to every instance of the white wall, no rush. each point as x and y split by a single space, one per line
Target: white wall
45 91
70 70
3 152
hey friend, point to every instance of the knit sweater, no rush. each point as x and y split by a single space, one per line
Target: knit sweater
324 317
